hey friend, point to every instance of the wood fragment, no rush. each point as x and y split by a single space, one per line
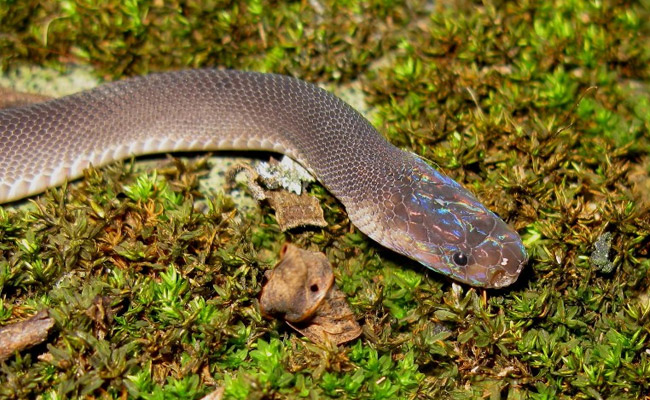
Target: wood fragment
21 335
291 210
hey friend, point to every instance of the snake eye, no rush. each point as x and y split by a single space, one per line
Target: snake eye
460 259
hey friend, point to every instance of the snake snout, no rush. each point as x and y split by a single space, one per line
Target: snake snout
507 269
498 257
501 277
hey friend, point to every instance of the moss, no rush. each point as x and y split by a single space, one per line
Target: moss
540 107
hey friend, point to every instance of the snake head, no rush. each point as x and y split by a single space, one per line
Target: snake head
442 225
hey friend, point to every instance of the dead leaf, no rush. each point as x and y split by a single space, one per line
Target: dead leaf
101 314
300 289
297 285
333 321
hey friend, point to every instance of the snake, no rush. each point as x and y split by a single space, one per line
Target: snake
392 195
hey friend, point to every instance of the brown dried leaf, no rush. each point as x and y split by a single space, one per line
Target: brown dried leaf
333 321
301 290
297 285
101 313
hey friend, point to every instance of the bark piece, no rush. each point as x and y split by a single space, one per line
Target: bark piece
291 210
22 335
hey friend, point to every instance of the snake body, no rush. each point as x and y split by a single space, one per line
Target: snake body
391 195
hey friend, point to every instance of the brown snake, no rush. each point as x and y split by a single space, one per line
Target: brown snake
391 195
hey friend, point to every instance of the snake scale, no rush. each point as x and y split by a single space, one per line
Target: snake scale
391 195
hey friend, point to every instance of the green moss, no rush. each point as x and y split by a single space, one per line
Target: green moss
540 107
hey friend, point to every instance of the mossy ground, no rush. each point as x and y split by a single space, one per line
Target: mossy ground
542 108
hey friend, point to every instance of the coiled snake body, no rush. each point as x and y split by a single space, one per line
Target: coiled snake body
391 195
